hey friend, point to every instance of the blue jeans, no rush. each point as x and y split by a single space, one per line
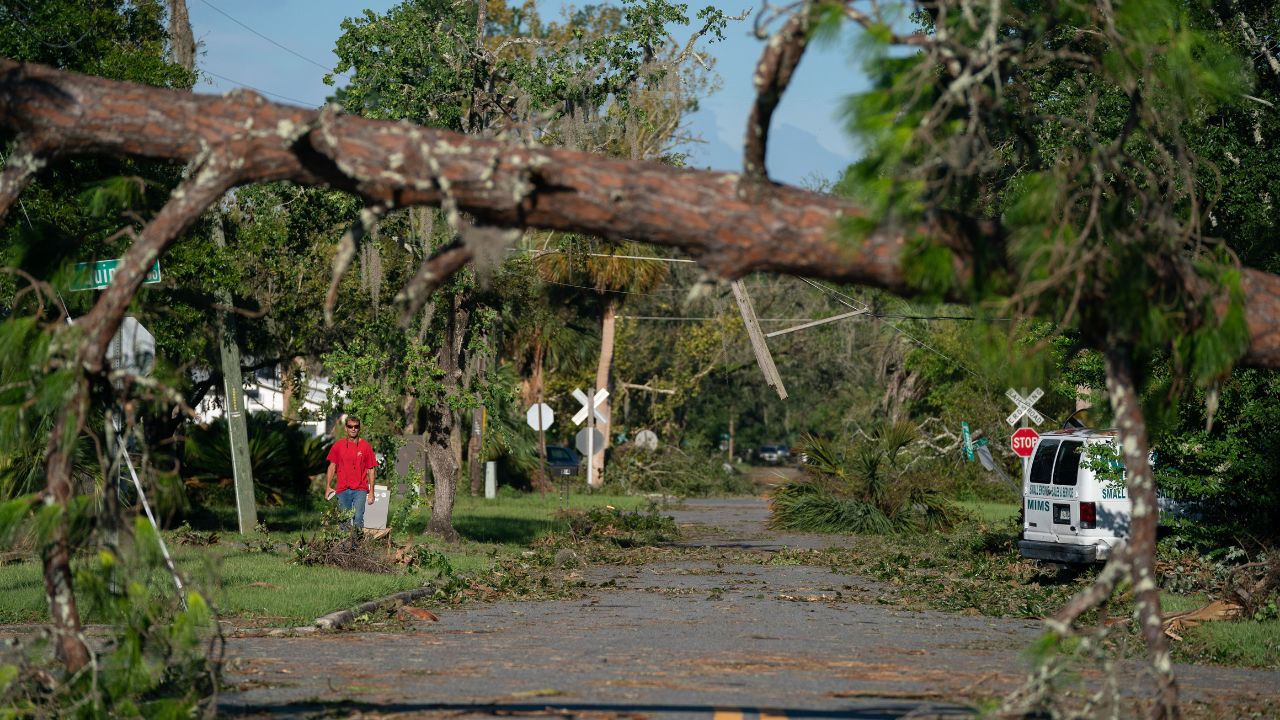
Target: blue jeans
354 500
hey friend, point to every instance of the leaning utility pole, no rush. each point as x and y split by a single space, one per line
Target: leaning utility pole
233 383
758 344
182 51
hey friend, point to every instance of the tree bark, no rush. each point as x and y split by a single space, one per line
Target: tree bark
709 215
442 438
182 42
1135 451
604 373
55 554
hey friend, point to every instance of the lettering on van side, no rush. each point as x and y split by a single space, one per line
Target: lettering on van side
1040 505
1114 493
1060 491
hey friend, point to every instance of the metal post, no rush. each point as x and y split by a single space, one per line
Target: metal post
490 480
591 438
1026 461
237 423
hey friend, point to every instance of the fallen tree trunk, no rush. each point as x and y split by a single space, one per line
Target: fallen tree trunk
731 227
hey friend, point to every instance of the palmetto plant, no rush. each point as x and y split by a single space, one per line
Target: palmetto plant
871 486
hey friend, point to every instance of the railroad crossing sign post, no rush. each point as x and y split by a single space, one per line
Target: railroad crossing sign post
1024 440
591 412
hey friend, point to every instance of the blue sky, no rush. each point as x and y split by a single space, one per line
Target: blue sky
284 47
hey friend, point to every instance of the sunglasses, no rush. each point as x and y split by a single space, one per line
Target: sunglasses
353 427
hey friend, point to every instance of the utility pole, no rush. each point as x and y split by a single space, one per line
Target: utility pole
233 384
182 49
758 344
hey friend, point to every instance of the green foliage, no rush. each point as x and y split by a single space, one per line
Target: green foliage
621 527
1226 474
673 471
284 458
160 664
870 487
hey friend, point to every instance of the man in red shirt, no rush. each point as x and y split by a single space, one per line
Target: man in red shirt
353 461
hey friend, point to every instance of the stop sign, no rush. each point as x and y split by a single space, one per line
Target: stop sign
1024 442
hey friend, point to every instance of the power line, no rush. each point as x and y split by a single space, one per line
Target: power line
850 302
233 81
296 54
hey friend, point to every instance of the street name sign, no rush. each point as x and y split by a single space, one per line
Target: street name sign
97 275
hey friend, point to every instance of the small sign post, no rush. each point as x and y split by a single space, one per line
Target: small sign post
591 412
968 442
540 418
1024 411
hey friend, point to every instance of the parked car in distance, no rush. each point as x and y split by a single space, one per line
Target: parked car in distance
562 461
773 454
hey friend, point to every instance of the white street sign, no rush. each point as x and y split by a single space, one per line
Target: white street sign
587 440
1024 406
133 348
540 416
647 439
592 405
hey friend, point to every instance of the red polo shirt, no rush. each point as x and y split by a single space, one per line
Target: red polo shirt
353 461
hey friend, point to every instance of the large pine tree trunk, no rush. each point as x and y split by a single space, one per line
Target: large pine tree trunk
443 441
1135 451
604 372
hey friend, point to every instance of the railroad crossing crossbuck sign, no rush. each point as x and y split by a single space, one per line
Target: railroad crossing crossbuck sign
1024 406
592 405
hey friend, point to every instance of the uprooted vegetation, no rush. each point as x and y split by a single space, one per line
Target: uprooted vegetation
620 527
875 485
670 470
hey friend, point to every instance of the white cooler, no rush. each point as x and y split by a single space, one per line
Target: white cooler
375 515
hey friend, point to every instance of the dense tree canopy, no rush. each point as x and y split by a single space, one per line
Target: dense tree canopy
1093 174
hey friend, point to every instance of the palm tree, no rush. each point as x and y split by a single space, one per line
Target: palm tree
543 338
614 272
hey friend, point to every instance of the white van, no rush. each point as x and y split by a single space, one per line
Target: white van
1070 514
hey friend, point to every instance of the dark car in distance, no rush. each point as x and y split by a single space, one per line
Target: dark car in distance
774 454
562 461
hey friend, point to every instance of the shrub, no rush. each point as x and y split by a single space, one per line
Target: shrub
672 471
283 457
870 487
623 528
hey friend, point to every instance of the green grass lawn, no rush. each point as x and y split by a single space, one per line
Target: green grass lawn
989 512
268 588
1251 643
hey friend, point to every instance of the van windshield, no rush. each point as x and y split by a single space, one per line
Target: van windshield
1042 465
1068 465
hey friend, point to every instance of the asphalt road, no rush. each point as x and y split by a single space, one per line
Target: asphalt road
687 638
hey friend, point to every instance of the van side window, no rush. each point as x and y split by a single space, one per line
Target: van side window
1068 465
1042 464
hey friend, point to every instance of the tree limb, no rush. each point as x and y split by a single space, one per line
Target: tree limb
431 273
503 185
773 73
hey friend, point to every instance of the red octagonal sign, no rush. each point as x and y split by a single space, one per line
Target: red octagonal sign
1024 442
